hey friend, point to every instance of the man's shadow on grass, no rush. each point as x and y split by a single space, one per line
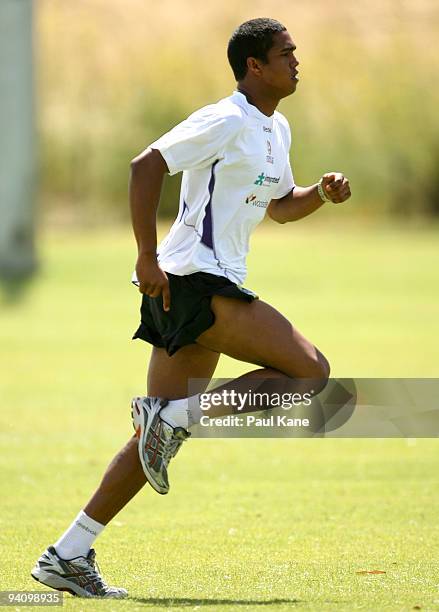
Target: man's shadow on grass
171 602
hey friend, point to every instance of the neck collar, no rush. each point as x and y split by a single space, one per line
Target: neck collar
251 109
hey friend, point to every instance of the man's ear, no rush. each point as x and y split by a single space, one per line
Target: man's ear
254 66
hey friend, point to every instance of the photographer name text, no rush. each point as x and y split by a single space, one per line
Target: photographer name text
249 420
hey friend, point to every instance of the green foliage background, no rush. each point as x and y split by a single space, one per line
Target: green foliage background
113 76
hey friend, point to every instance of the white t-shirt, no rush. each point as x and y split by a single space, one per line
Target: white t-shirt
234 160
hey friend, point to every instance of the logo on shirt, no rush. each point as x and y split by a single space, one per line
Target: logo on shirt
266 181
267 129
270 159
253 200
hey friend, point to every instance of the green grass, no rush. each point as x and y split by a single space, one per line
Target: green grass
284 523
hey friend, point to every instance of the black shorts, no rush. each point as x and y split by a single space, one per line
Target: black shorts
190 313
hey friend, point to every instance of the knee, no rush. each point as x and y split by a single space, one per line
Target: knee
315 366
317 370
324 367
321 371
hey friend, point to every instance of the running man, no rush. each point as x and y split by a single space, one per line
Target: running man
234 156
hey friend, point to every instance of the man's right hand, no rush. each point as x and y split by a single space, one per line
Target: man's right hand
152 280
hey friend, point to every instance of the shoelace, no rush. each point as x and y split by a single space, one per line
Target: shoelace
93 571
171 448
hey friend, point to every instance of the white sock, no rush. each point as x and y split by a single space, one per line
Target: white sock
77 540
184 412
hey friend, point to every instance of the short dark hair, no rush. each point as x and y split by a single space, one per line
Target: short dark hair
253 38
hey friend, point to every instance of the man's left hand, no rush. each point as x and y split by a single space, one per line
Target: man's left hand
336 186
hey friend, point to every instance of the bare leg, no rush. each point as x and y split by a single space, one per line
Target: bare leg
167 377
255 333
122 480
259 334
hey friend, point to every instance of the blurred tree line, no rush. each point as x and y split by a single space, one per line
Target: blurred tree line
113 77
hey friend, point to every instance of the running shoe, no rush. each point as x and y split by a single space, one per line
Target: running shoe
159 442
79 576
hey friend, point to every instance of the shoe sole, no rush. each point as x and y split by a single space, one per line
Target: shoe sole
57 582
140 416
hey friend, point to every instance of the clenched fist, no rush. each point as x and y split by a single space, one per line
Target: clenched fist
336 187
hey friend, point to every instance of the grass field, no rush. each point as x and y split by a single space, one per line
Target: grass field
248 525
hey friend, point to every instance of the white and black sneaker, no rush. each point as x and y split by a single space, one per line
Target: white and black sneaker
79 576
159 442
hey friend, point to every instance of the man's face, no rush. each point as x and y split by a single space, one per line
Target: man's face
280 71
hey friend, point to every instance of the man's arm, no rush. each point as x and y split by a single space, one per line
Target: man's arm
147 173
303 201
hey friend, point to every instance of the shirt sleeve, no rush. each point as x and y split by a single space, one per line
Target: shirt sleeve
286 183
199 140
